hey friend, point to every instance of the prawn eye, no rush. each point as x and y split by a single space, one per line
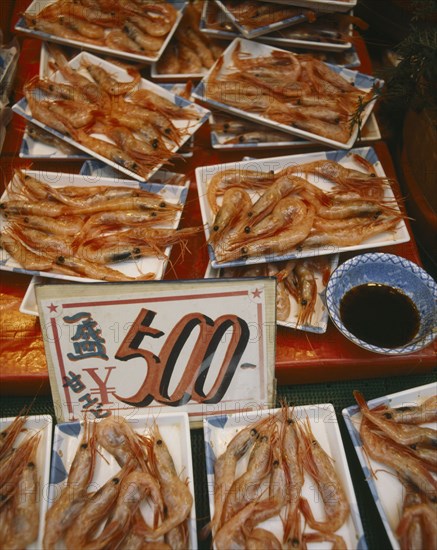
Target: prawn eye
153 214
276 463
162 204
253 432
31 464
247 229
244 250
226 126
295 543
159 442
216 227
303 302
388 415
115 480
60 260
167 131
84 446
373 175
155 143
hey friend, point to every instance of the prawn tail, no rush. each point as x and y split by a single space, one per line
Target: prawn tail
206 530
361 402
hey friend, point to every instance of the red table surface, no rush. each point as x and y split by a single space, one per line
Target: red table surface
301 357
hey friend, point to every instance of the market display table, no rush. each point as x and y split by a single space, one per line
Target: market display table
337 393
310 368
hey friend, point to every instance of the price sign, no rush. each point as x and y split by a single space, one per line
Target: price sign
204 347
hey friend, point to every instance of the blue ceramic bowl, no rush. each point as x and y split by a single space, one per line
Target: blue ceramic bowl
394 271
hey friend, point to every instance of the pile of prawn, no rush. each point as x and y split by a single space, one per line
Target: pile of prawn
253 14
189 51
78 231
296 285
130 26
137 125
144 505
233 130
295 90
19 486
279 451
291 213
397 438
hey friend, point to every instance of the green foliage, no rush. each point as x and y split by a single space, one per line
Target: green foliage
413 82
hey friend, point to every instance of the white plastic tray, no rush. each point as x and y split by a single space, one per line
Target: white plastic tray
42 424
219 430
253 32
175 431
38 5
253 50
205 173
319 320
322 5
189 126
174 194
385 487
219 139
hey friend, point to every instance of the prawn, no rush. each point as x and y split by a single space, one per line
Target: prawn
261 539
28 259
155 102
225 466
12 467
108 83
118 40
21 506
226 179
96 508
40 242
319 465
245 487
403 434
10 434
346 237
24 523
235 203
151 202
306 290
413 414
134 488
176 496
94 93
293 460
409 468
281 188
139 149
149 43
283 306
280 243
64 511
366 184
79 266
109 151
337 541
65 226
97 223
288 212
117 437
416 528
232 530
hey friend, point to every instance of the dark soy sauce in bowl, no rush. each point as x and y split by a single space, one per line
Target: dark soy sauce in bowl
380 315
